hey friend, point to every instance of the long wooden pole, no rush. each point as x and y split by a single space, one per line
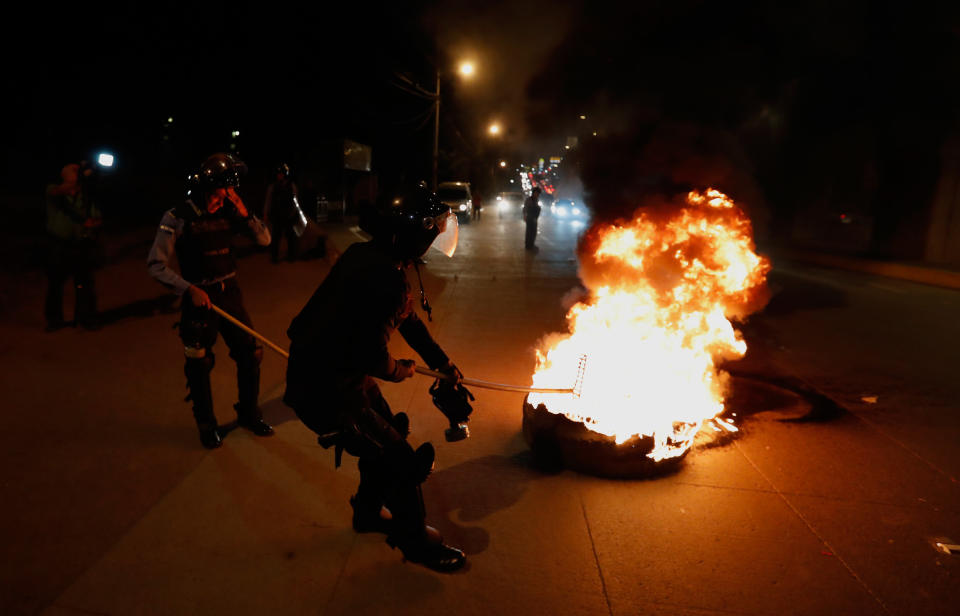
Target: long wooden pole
497 386
424 371
249 330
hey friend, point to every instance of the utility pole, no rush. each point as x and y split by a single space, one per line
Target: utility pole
436 131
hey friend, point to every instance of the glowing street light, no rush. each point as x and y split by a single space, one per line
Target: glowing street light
466 69
503 164
494 129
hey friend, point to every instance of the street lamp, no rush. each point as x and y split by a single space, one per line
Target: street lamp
466 70
494 129
503 164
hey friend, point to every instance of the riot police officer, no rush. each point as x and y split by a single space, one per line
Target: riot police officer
339 346
200 231
281 210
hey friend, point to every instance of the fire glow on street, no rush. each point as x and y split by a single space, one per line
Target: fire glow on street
664 289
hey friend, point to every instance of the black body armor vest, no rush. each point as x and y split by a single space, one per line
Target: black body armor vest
205 249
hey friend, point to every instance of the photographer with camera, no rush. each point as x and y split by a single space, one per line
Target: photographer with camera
73 224
338 346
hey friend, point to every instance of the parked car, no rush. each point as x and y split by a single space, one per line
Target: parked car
510 203
457 196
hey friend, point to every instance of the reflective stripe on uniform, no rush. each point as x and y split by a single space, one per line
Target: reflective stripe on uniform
194 352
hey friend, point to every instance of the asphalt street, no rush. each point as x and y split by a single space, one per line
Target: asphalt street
111 506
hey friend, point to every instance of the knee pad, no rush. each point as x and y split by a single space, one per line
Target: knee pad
197 333
401 423
198 360
410 467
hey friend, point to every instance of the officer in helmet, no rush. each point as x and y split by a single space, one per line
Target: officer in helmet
282 212
200 231
338 346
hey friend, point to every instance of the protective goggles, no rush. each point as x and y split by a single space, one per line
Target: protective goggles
436 222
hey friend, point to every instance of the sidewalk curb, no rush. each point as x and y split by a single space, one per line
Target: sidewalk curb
914 273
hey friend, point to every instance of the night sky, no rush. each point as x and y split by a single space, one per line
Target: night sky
854 99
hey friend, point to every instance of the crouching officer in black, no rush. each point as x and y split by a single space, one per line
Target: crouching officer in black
201 231
338 345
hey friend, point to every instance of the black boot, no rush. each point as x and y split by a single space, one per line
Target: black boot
251 419
248 386
197 371
420 543
437 556
210 437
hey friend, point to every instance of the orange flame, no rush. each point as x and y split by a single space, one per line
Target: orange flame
663 290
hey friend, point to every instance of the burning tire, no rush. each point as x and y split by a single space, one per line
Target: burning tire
558 442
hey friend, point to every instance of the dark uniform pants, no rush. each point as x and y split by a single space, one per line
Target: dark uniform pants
75 259
531 236
278 231
199 328
389 471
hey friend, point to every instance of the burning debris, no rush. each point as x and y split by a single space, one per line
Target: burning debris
663 290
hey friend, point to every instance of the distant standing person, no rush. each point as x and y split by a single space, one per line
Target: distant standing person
531 212
280 210
477 205
73 223
201 231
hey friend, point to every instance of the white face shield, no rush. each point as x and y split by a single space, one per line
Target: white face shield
446 242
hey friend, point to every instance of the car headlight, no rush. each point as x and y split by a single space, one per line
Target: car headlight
463 207
576 211
562 211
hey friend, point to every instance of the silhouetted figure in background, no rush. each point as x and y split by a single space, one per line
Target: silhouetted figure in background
531 213
477 204
73 224
281 211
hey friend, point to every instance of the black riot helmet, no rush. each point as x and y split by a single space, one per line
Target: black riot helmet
412 219
221 170
217 171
